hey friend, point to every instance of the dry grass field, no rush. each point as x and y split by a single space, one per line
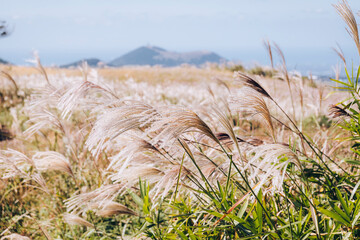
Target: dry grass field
179 153
86 146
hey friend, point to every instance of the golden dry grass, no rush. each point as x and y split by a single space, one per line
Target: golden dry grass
91 134
141 74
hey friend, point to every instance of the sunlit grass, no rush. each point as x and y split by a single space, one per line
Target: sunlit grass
178 153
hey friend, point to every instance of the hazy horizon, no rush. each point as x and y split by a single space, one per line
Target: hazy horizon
64 32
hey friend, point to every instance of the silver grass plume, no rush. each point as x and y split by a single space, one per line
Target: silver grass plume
222 83
227 124
51 160
252 102
43 98
337 70
225 139
251 83
130 175
76 94
15 236
40 181
132 148
111 208
286 76
40 68
44 120
152 169
11 79
14 163
169 180
347 15
283 61
79 203
269 50
175 122
213 172
336 111
73 219
269 161
116 119
340 53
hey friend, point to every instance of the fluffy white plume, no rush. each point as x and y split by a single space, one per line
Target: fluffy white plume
117 118
51 160
73 219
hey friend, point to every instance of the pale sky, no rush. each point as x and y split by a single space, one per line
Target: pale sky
66 31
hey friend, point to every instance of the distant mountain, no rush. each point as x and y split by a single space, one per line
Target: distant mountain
92 62
151 55
3 61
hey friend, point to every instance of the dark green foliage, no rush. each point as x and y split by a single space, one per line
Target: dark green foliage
261 72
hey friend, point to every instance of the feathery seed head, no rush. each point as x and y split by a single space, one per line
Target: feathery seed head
73 219
251 83
79 203
177 121
336 111
347 15
15 236
51 160
251 102
111 208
